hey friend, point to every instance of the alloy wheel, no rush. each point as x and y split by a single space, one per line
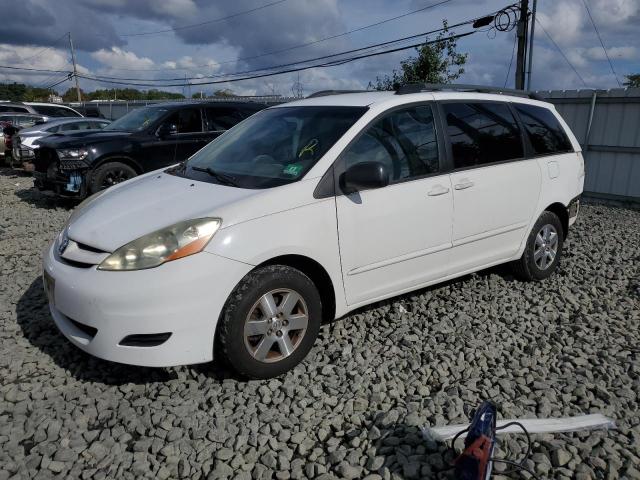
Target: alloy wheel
275 326
114 177
546 247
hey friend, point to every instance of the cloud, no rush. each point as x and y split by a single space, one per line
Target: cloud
39 22
121 59
35 57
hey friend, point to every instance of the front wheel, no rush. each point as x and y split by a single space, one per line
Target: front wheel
270 322
542 253
109 174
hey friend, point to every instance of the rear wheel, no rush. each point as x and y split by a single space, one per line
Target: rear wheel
110 174
269 322
542 253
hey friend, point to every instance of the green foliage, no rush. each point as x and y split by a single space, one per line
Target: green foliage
633 80
437 62
121 94
19 92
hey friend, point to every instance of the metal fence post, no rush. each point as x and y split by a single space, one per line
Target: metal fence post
587 133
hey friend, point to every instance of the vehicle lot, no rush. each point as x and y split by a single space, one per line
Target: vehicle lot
353 408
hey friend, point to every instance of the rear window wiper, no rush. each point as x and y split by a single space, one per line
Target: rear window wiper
221 177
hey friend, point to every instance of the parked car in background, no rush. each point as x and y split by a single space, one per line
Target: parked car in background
48 109
145 139
26 141
89 110
12 123
307 211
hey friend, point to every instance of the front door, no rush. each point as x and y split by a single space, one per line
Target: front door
495 189
186 138
395 238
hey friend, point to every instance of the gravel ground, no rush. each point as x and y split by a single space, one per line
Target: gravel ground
353 409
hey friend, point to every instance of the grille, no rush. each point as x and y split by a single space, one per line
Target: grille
81 255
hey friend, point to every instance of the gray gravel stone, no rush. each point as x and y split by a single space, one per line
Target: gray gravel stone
353 409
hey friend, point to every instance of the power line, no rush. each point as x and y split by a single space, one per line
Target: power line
561 52
294 47
324 57
54 43
193 25
33 69
513 50
601 42
390 42
296 69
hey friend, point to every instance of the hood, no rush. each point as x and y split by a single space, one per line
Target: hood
82 138
145 204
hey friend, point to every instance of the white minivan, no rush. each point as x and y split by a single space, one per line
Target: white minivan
306 211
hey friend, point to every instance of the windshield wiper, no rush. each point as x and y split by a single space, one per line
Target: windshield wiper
221 177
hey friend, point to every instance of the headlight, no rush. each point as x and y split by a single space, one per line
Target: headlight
171 243
72 154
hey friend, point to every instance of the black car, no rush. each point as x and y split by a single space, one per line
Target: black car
145 139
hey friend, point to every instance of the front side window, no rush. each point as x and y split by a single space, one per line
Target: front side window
482 133
544 130
54 111
137 120
188 120
222 118
404 141
273 147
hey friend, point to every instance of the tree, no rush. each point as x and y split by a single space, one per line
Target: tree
437 62
633 80
71 96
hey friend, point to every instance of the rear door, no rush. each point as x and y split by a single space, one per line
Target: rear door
395 238
495 187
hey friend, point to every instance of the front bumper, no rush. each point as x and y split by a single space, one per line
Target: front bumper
95 310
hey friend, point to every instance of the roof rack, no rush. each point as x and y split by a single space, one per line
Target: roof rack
437 87
324 93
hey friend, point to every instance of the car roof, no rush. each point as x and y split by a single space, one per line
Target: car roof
390 98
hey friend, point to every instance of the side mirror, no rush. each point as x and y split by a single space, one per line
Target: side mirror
167 129
364 176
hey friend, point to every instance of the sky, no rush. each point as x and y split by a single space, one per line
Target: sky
112 39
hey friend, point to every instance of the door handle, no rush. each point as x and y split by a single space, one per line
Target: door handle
463 185
438 190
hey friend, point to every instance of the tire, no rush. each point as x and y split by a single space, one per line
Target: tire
543 251
110 173
244 313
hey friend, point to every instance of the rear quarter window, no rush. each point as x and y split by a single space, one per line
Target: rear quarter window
545 132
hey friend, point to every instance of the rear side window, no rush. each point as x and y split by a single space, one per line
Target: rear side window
54 111
11 108
404 141
544 130
482 133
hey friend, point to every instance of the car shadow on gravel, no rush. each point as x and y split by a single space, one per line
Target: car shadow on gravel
39 199
503 271
35 320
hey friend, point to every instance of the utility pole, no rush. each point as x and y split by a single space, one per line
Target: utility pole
75 69
522 44
533 29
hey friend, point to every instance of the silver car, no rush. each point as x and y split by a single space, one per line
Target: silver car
25 142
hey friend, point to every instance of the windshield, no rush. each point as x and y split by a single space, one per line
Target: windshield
137 120
271 148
